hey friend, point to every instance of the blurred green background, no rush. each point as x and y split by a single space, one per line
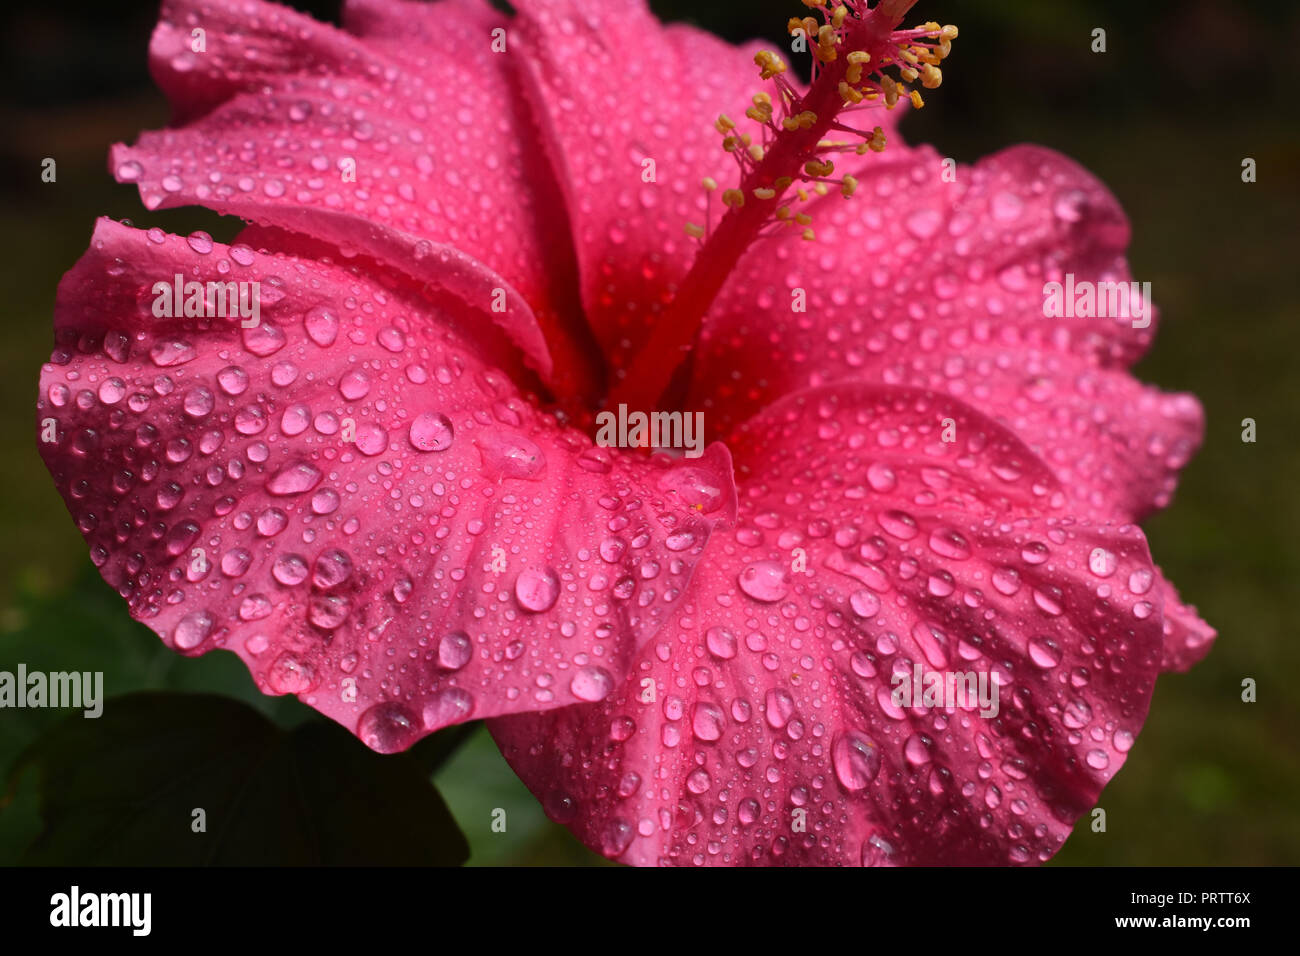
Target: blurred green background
1184 92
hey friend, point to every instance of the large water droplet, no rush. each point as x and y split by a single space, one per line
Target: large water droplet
765 581
856 760
537 589
431 431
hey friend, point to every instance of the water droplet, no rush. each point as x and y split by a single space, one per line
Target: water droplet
856 760
431 431
192 630
294 479
454 651
510 454
591 684
537 589
387 728
765 581
707 721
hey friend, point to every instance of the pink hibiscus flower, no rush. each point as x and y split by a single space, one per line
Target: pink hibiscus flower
355 447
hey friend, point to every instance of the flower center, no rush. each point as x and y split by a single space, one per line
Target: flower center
791 158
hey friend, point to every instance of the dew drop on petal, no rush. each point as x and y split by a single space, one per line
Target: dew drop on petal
431 431
765 581
591 684
537 589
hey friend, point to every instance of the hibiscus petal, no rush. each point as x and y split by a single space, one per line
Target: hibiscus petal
949 297
773 686
347 497
916 265
444 159
619 89
1187 637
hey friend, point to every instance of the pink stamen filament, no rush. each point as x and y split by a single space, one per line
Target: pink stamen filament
785 153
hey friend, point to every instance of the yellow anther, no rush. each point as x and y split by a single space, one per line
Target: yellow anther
859 56
794 26
930 26
733 197
709 183
759 114
931 77
694 231
814 4
764 193
783 213
848 93
848 186
808 235
723 123
783 183
802 194
803 219
909 56
820 189
877 142
790 123
730 144
807 119
838 17
762 99
826 35
916 99
949 32
756 152
769 63
853 74
908 74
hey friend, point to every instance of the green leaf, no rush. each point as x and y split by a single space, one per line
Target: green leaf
123 790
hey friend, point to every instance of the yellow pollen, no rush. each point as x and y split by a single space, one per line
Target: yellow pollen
723 123
808 235
756 151
803 219
816 167
733 197
769 63
848 186
931 77
916 99
848 93
709 183
764 193
694 231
